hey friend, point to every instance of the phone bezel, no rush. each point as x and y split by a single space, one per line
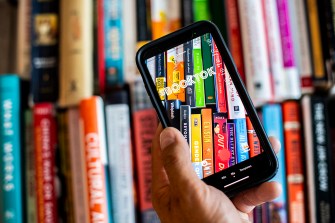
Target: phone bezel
263 166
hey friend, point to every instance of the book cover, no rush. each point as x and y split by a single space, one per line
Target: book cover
189 71
44 50
231 142
45 155
273 126
255 53
199 86
159 18
144 127
196 144
11 196
92 127
220 91
120 158
242 147
294 161
185 122
160 74
207 142
221 150
175 73
253 141
76 50
207 55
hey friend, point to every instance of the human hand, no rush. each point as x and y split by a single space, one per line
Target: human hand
178 195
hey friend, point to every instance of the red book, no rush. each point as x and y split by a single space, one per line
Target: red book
45 149
101 47
222 153
294 162
253 141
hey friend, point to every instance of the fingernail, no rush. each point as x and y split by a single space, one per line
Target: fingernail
166 138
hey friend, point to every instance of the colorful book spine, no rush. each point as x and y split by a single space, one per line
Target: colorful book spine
174 15
294 161
189 71
242 147
207 142
120 159
253 141
144 126
255 50
198 73
234 33
160 75
185 122
220 91
273 125
221 151
44 50
208 70
100 41
196 144
11 198
92 127
175 73
302 50
45 150
113 42
159 18
275 51
231 143
76 62
291 71
201 10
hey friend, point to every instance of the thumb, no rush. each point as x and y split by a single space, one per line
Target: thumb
176 159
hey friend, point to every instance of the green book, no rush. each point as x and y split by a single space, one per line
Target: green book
198 74
208 68
217 10
201 10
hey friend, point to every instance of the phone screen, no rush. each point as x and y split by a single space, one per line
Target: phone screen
201 100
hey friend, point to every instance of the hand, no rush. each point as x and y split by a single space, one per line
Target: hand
180 196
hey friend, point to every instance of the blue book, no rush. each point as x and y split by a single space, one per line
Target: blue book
113 42
241 140
11 199
273 125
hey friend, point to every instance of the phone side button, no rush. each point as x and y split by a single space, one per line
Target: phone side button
228 185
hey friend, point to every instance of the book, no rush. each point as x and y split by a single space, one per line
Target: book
142 22
231 142
185 122
198 72
174 15
218 14
207 55
196 144
99 47
222 154
45 155
160 75
11 209
255 53
44 51
207 142
76 62
189 71
253 141
201 10
92 129
241 140
173 112
159 18
294 161
120 156
273 126
187 17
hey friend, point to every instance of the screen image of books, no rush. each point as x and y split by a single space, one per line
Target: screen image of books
201 100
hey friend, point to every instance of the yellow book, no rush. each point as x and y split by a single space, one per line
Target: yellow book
196 144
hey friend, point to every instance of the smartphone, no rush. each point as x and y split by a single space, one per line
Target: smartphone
194 85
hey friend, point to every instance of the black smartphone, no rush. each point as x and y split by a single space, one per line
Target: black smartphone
194 86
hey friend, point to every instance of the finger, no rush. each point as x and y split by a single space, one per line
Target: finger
276 145
247 200
176 159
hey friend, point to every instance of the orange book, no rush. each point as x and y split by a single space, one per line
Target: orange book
159 18
294 162
94 141
253 141
207 142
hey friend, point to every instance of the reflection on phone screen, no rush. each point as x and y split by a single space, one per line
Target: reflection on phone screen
201 100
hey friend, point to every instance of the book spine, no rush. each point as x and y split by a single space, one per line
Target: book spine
45 151
44 50
207 142
198 72
274 49
142 23
294 162
144 126
23 39
113 42
291 71
221 151
231 143
207 55
174 15
92 124
10 140
234 33
201 10
189 71
76 62
302 51
253 141
185 122
120 159
78 167
151 64
242 147
236 109
187 12
160 75
331 126
196 144
255 50
173 110
159 15
220 91
175 73
273 125
101 69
